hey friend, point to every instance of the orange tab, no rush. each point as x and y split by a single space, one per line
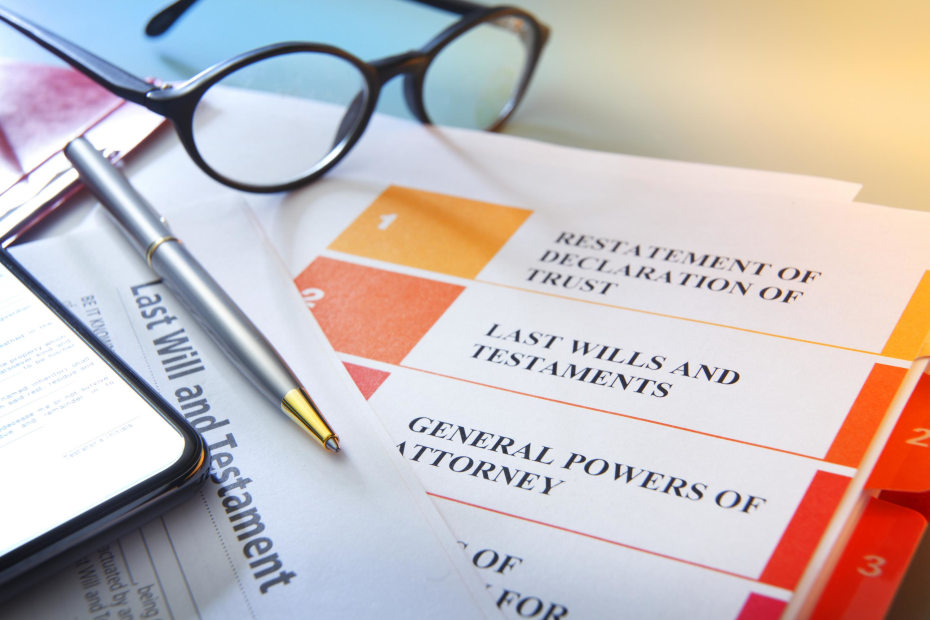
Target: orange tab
872 565
865 415
905 463
373 313
909 338
436 232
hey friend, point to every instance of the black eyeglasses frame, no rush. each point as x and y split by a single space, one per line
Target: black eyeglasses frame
178 102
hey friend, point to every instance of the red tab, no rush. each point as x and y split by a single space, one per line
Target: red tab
905 463
915 501
804 531
872 564
368 380
759 607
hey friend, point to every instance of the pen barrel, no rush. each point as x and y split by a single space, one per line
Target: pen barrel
148 231
228 326
142 224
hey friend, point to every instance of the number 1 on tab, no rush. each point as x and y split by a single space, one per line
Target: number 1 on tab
386 220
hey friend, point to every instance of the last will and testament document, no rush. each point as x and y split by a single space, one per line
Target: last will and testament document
283 528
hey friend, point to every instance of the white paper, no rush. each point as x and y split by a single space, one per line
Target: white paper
669 500
541 559
678 441
347 535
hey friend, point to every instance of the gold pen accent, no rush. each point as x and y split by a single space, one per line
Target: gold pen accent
150 252
300 407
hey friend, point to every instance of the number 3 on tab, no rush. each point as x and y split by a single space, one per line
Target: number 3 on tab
386 220
873 565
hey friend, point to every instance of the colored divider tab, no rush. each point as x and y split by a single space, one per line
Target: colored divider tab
865 415
919 502
804 531
759 607
372 313
905 462
435 232
368 380
872 564
909 334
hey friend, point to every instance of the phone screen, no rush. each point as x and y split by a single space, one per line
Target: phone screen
73 432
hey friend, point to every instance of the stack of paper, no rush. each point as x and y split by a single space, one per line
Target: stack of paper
633 388
626 374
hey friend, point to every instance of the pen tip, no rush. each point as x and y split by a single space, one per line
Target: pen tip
332 444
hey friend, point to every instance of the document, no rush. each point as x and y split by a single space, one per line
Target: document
624 391
282 527
625 383
608 407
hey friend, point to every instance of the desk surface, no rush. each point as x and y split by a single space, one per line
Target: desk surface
835 89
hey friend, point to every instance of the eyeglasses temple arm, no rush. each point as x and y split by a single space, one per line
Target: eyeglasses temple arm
463 7
166 18
459 7
109 76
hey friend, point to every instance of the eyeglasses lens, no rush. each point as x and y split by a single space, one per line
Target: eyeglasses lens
309 101
475 80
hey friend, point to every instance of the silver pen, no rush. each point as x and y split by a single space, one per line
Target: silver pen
229 327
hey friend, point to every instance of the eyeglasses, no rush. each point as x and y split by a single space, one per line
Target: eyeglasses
280 116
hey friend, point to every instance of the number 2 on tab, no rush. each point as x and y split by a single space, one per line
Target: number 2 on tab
386 220
311 296
920 439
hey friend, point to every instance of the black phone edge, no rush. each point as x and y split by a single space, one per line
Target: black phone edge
53 550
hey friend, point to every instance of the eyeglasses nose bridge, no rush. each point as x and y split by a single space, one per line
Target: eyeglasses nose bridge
412 65
408 63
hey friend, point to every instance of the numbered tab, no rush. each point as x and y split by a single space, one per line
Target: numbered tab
873 563
905 462
368 380
370 312
803 533
915 501
911 330
435 232
865 415
759 607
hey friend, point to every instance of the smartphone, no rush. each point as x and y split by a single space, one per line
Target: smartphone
85 444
